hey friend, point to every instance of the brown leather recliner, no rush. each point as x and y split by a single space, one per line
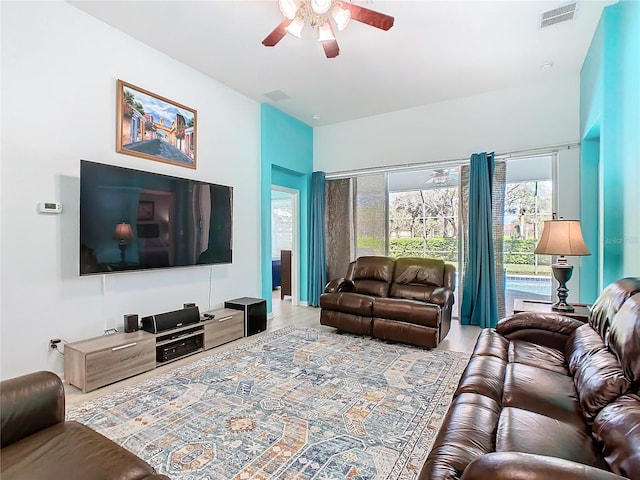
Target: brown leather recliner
406 300
549 397
37 442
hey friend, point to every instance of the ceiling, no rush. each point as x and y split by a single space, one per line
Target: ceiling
436 51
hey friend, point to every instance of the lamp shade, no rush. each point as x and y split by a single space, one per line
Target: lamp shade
123 232
562 237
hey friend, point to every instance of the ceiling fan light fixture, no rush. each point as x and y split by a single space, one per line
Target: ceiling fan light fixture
321 6
440 180
288 8
341 16
295 27
325 34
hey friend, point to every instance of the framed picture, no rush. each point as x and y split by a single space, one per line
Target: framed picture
146 210
153 127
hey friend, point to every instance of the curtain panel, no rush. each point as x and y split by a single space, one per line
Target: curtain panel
482 284
317 251
339 230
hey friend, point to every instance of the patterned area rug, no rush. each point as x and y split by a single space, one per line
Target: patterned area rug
298 403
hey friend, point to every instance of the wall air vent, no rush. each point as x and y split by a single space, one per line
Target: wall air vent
557 15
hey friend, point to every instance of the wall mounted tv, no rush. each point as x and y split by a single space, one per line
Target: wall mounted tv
135 220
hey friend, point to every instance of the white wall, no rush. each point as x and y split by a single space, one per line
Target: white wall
59 72
528 117
536 115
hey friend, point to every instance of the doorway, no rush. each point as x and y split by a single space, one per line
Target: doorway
285 244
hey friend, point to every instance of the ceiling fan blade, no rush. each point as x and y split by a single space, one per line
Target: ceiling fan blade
277 34
370 17
331 49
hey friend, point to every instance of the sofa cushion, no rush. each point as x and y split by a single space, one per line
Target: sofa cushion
542 391
581 343
470 432
424 293
419 271
617 430
348 302
530 432
484 375
404 332
373 268
610 301
493 344
529 353
372 275
599 380
70 447
623 338
371 287
409 311
346 321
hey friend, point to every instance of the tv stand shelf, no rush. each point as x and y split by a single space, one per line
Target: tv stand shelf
96 362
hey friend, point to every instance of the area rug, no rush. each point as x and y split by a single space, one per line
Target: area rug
299 403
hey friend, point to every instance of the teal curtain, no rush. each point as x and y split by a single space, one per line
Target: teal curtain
479 300
317 251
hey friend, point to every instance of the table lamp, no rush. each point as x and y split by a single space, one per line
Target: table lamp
123 233
564 238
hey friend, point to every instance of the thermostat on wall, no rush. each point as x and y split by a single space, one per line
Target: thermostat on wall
50 207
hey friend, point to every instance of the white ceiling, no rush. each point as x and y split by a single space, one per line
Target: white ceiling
436 51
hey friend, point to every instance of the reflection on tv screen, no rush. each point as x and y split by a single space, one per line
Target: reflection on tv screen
133 220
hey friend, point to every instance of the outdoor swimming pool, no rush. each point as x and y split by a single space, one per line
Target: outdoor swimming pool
530 284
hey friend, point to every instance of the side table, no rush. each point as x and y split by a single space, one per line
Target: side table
581 311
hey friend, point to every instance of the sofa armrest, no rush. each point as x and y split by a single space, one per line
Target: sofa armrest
548 329
30 403
339 285
442 296
526 466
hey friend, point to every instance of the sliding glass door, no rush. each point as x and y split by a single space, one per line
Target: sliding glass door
423 215
528 203
419 213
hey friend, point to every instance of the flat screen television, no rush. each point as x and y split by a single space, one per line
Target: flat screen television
135 220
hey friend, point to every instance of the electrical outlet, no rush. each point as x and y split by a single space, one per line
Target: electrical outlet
53 343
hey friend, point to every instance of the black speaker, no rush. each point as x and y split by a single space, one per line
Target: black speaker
131 322
166 321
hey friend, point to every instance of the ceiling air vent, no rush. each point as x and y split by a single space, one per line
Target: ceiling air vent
277 96
557 15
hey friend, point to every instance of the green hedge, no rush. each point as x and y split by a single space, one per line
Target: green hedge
436 247
520 252
516 252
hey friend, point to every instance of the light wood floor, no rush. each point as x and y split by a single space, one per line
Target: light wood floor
460 339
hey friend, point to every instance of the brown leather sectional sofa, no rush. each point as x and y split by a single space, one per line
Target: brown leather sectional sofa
37 442
406 300
549 397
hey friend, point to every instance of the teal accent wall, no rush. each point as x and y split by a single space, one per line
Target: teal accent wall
610 132
286 161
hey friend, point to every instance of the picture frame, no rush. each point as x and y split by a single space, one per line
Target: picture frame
146 210
153 127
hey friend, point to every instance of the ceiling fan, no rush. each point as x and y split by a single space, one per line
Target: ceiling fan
440 176
318 14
